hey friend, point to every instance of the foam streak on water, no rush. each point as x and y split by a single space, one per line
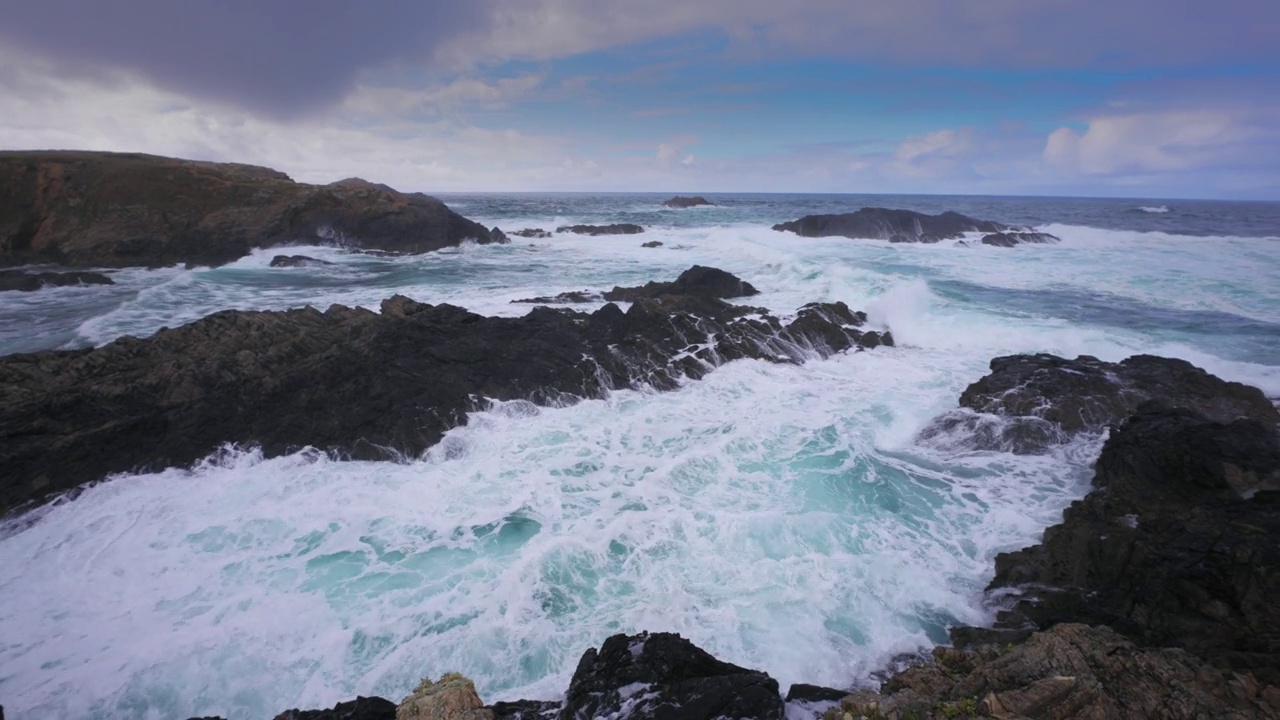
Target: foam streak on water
781 517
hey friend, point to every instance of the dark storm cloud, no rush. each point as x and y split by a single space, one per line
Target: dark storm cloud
283 57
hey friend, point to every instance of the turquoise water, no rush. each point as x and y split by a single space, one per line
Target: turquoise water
784 518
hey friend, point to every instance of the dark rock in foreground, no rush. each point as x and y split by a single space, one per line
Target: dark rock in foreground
1031 402
362 708
532 233
1010 239
30 282
683 201
1178 544
285 261
615 229
697 281
359 383
661 675
118 209
895 226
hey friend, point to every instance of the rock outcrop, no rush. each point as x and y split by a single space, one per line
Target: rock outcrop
684 201
32 281
697 281
1031 402
532 233
1010 239
362 384
286 261
452 697
652 244
614 229
362 708
573 297
898 226
93 209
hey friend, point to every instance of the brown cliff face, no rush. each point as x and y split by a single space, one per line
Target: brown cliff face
116 209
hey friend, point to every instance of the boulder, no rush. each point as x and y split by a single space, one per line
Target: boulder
124 209
286 261
892 225
682 201
697 281
1031 402
362 384
452 697
614 229
32 281
662 675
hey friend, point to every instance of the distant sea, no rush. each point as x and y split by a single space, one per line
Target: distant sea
783 518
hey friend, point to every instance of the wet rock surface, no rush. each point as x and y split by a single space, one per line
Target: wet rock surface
362 384
532 233
685 201
19 280
1030 402
891 225
121 209
1010 239
362 708
614 229
697 281
287 261
576 297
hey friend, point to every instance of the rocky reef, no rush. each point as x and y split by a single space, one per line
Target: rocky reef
95 209
31 281
367 385
685 201
907 226
287 261
614 229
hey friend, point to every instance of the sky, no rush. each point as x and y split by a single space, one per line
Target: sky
1131 98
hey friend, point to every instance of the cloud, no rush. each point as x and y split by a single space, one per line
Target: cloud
278 57
1167 141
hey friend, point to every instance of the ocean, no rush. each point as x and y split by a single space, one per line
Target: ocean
784 518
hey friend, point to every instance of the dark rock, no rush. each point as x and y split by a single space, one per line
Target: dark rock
801 692
1030 402
526 710
1069 671
357 383
1177 545
496 235
663 676
1009 239
118 209
697 281
892 225
284 261
532 233
564 298
362 708
29 282
681 201
615 229
652 244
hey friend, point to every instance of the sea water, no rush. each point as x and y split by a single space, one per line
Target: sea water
783 518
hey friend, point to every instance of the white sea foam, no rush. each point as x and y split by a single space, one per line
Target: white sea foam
1158 209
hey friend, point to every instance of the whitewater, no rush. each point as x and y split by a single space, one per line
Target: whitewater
784 518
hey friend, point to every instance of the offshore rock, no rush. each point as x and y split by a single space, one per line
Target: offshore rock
576 297
697 281
663 676
652 244
453 697
1031 402
532 233
615 229
284 261
1010 239
682 201
362 708
1177 545
121 209
361 384
1069 671
32 281
892 225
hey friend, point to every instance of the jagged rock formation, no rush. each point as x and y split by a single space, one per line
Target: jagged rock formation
32 281
117 209
363 384
614 229
1030 402
1010 239
362 708
897 226
284 261
683 201
452 697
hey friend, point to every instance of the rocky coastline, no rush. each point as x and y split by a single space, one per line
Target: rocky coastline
1153 598
99 209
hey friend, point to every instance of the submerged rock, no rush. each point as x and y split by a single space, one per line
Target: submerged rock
662 675
1031 402
32 281
907 226
698 281
284 261
615 229
682 201
123 209
362 384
